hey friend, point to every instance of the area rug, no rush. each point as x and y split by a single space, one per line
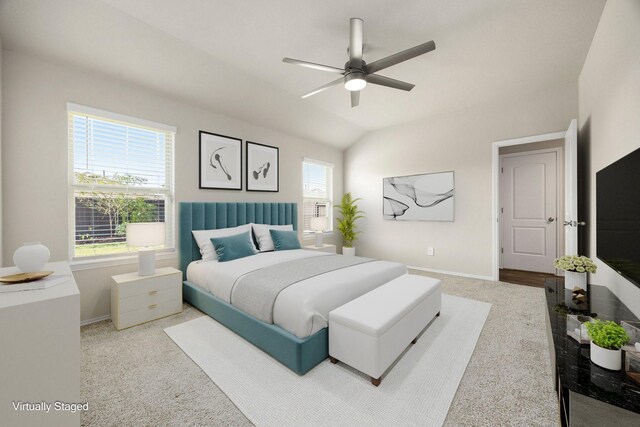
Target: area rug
417 390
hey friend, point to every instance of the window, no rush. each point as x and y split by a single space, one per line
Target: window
317 192
120 171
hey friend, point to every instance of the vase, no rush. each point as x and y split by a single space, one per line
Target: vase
608 359
573 279
348 251
31 257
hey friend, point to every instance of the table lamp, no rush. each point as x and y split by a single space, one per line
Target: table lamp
146 235
319 224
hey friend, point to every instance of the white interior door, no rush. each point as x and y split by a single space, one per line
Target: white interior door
529 211
571 189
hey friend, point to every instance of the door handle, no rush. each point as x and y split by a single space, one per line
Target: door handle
575 223
551 219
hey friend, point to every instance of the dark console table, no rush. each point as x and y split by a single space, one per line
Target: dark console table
588 395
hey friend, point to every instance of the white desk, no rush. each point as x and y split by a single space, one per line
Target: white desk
40 351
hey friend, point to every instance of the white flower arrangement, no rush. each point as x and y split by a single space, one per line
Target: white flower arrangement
578 264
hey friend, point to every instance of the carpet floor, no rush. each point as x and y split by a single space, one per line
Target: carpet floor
139 377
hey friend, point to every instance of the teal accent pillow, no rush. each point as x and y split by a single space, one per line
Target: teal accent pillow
233 247
285 240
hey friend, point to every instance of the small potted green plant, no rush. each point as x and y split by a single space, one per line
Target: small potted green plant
347 223
576 269
607 338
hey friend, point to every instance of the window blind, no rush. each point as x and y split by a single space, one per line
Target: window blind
120 172
317 192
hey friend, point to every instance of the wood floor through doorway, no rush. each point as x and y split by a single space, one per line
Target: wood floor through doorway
521 277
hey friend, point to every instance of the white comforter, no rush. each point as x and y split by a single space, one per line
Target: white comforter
302 308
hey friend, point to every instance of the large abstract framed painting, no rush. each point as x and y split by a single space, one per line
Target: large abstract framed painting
426 197
262 167
220 162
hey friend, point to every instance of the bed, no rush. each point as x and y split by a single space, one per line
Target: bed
298 336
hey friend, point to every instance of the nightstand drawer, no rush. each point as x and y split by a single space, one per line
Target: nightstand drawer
148 313
146 284
137 302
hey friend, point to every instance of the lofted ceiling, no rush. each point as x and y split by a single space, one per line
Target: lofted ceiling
226 56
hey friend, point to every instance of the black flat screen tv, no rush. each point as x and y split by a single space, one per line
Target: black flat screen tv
618 216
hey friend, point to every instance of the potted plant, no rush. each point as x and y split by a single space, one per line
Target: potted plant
607 338
576 269
347 224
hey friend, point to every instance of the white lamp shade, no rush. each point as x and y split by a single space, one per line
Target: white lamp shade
318 223
145 233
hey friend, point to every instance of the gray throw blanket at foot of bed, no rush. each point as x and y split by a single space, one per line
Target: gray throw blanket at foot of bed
255 293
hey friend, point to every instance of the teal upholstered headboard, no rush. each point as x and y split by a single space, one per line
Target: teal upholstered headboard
208 216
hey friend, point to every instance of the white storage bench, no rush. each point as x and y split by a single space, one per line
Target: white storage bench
370 332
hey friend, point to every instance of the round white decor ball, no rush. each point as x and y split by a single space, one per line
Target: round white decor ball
31 257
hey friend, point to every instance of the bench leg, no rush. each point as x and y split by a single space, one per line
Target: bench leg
333 360
376 381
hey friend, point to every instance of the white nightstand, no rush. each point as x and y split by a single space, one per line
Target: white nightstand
139 299
324 248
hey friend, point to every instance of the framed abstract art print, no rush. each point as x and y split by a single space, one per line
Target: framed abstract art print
220 162
262 167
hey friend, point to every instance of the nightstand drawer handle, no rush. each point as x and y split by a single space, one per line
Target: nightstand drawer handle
152 306
153 292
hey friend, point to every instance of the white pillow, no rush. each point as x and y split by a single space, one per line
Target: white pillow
261 231
203 239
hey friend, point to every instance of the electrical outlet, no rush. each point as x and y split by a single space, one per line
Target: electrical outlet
430 252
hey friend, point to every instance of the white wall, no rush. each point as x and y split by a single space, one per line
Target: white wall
609 116
460 142
35 93
1 262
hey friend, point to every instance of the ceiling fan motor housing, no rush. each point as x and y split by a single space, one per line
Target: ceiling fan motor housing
355 65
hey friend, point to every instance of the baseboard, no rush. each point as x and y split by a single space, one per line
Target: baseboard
452 273
94 320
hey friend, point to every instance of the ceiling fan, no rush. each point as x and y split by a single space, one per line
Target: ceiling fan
357 73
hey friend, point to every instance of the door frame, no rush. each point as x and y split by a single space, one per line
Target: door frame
495 185
559 196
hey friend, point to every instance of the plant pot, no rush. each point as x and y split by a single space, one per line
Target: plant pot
608 359
348 251
31 257
574 279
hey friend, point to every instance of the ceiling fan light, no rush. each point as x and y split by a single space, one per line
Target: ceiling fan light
355 81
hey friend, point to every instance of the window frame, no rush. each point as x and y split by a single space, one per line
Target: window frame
330 197
72 186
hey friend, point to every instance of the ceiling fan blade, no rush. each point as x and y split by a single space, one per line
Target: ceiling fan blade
313 65
389 82
323 87
356 38
355 98
399 57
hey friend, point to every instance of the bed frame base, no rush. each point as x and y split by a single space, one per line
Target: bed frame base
298 354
